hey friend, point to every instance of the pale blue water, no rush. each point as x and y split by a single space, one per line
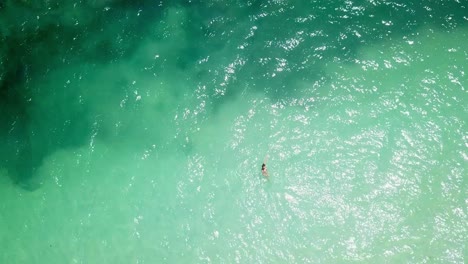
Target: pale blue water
135 133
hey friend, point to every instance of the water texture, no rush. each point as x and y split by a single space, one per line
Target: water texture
135 132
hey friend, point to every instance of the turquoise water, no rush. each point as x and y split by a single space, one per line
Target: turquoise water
135 133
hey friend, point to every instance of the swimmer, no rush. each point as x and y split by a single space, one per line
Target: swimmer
264 170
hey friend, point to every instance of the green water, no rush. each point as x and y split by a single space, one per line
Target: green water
135 133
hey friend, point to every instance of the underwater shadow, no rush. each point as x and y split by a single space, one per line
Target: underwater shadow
52 37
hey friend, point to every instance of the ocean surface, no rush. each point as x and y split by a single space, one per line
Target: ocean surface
135 131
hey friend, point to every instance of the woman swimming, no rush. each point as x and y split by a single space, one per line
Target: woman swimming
264 170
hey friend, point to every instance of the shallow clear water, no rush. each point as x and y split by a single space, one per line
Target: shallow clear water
136 133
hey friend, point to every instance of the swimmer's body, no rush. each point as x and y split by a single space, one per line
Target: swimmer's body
264 168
